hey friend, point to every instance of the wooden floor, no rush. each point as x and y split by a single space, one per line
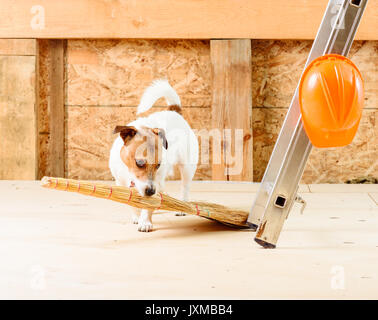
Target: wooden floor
62 245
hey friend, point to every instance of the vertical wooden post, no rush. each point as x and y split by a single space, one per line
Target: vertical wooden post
18 148
232 106
56 107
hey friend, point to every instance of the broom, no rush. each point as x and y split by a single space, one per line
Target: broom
158 201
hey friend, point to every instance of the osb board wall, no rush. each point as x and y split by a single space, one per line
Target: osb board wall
277 66
105 80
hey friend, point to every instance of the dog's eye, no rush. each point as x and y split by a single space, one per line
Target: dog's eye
140 163
158 166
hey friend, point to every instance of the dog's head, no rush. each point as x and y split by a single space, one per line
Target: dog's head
142 153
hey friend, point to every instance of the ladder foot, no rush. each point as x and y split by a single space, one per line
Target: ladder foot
265 244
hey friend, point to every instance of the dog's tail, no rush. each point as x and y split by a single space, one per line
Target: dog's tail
157 90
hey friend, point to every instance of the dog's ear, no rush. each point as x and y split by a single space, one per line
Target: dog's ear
161 134
126 132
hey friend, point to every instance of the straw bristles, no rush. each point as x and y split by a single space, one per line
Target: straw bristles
158 201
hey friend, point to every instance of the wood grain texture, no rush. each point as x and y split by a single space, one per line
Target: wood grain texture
116 72
267 123
232 106
18 47
89 248
277 66
185 19
56 107
90 138
43 96
331 165
18 148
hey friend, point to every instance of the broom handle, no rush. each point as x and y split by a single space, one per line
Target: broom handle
157 201
77 186
65 185
132 197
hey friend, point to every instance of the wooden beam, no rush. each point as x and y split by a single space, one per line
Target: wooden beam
56 107
18 148
186 19
18 47
232 107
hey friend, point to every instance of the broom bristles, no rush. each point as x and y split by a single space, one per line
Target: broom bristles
158 201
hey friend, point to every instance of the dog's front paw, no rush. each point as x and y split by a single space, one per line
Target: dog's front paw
180 214
144 226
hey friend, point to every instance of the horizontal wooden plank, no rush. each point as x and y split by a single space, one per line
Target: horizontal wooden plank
18 47
268 19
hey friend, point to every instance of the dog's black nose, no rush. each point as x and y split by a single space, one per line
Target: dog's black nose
150 191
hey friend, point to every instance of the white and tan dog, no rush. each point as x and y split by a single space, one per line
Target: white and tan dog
147 149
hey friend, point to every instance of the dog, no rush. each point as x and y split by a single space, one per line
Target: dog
148 149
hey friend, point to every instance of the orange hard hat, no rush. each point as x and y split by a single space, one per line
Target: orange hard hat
331 97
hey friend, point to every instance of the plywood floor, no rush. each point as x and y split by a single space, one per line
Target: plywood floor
62 245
